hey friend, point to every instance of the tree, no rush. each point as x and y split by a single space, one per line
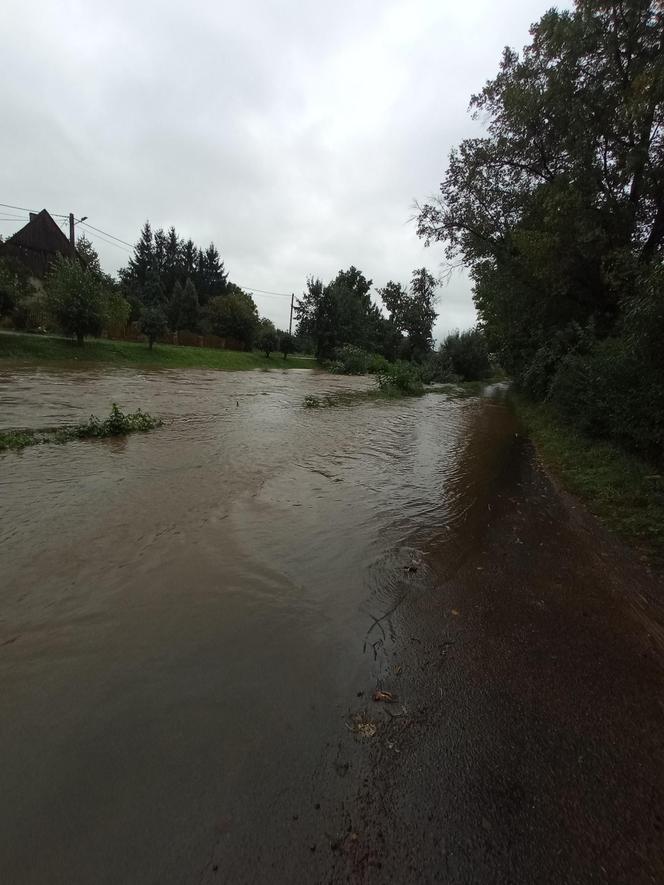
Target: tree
142 260
188 311
153 323
13 285
168 258
174 306
287 343
75 298
559 211
212 276
339 313
88 254
267 337
234 316
152 291
466 354
412 312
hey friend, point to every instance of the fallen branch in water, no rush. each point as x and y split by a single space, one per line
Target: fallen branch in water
118 423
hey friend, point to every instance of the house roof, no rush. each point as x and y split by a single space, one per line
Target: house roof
37 244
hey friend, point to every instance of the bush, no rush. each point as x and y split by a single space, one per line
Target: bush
537 378
118 423
467 355
31 312
437 367
400 377
612 392
378 364
350 360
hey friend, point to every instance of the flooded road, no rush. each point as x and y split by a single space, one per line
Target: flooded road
193 622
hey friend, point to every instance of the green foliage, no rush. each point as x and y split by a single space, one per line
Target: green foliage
624 491
118 423
412 312
183 308
378 363
339 313
267 338
13 285
400 377
466 355
437 368
609 393
559 214
76 298
167 259
31 312
287 343
234 316
350 360
153 323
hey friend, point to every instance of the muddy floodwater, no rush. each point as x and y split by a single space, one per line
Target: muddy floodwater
185 613
193 623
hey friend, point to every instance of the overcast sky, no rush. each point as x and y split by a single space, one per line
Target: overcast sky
294 135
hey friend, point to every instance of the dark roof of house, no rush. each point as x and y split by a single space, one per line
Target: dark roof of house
37 244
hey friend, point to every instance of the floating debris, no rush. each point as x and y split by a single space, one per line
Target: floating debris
386 696
363 726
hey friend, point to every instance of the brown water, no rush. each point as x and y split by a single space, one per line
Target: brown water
185 613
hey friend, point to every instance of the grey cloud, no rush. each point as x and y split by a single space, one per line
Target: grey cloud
296 136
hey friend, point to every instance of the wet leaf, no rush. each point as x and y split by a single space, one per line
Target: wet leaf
385 696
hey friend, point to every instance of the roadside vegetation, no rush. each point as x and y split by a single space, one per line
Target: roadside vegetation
626 492
118 423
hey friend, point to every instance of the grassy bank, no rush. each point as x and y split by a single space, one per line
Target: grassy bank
623 491
45 349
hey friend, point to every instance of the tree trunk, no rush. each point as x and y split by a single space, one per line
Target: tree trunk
79 339
150 343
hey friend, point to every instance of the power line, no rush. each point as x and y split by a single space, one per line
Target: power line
263 291
97 236
20 208
106 234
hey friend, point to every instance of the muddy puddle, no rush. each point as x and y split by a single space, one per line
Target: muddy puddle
187 615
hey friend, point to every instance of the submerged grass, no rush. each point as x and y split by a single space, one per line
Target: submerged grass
625 492
460 389
118 423
43 348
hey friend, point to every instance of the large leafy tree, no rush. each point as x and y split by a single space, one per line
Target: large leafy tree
412 312
76 298
559 210
339 313
234 315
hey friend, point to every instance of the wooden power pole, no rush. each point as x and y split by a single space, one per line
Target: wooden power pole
290 324
72 238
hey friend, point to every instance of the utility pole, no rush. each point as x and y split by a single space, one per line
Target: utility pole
290 324
72 222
